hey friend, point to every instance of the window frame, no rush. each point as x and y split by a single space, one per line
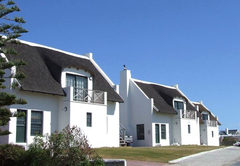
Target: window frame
204 116
41 124
177 105
163 132
23 119
140 132
157 137
189 129
89 119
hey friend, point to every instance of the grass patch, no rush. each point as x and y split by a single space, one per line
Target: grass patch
161 154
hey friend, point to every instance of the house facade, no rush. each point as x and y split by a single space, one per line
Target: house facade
208 126
63 89
157 115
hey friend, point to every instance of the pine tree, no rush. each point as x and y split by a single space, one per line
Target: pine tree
10 30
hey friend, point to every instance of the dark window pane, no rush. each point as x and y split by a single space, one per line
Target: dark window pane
178 105
140 132
89 119
189 129
157 133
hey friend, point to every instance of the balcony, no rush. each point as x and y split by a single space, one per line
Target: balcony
86 95
189 114
212 123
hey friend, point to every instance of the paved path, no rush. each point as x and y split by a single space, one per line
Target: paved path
222 157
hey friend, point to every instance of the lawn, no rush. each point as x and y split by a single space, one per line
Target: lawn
161 154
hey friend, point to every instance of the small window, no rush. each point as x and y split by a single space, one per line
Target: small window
21 127
157 133
204 116
163 131
89 119
140 132
212 134
178 105
36 123
189 129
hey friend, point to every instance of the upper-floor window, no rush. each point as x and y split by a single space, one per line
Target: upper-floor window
204 116
179 105
80 85
76 81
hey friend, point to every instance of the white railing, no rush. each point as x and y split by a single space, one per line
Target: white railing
189 114
212 123
86 95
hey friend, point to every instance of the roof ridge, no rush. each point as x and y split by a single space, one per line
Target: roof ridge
53 49
167 86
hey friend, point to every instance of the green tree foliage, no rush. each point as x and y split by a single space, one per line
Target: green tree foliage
10 30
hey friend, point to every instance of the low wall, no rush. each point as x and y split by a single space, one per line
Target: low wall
116 162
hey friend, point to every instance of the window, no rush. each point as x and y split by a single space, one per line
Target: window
178 105
189 129
204 116
80 86
163 131
89 119
21 127
212 134
140 132
36 123
157 133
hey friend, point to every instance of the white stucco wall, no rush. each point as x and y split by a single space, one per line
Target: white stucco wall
206 134
192 138
141 109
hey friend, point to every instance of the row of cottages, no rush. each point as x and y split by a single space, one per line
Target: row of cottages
159 115
63 89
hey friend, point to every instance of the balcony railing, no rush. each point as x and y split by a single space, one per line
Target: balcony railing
189 114
86 95
212 123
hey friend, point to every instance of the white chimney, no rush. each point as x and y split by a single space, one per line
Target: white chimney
176 86
89 55
226 130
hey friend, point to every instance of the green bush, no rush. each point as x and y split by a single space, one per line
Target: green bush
67 148
228 141
11 155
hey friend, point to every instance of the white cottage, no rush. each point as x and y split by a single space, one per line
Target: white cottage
209 126
157 115
62 89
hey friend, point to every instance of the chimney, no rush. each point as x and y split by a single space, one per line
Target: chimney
89 55
176 86
226 130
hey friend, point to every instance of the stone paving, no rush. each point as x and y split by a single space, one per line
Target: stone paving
229 156
222 157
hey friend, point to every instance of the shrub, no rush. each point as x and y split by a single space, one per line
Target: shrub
11 155
70 147
228 141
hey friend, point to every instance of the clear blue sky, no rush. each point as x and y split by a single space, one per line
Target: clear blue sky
193 43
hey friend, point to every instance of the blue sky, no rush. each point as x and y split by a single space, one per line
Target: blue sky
193 43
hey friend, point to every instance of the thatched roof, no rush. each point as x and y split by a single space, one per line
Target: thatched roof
44 68
202 108
163 96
